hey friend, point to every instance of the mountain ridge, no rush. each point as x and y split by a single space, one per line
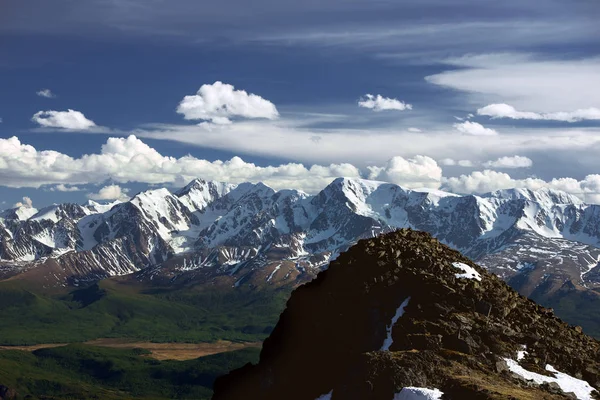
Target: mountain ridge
403 311
209 219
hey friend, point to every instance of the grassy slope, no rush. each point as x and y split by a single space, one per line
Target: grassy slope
112 310
86 372
577 307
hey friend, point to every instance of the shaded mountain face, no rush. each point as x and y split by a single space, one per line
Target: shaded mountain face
402 316
249 234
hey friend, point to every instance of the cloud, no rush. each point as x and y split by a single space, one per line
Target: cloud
47 93
219 102
69 120
576 147
26 203
474 128
380 103
64 188
506 111
417 172
461 163
130 160
414 130
485 181
525 81
510 162
111 192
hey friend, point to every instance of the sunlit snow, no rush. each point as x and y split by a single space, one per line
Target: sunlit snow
567 383
468 271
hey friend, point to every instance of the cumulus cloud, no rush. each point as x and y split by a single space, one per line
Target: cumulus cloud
485 181
131 160
380 103
111 192
26 203
474 128
69 120
510 162
417 172
502 110
47 93
219 102
64 188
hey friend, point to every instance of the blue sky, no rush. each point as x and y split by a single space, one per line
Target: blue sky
475 95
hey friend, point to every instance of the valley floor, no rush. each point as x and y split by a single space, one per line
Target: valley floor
158 351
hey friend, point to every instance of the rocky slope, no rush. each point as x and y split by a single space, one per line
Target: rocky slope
402 316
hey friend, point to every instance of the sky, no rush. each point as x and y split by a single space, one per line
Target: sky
105 98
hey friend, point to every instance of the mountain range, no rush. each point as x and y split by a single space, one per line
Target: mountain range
252 234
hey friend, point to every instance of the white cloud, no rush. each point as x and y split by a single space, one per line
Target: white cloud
506 111
64 188
577 146
414 130
510 162
380 103
70 120
525 81
474 128
130 160
485 181
219 102
26 203
47 93
417 172
461 163
111 192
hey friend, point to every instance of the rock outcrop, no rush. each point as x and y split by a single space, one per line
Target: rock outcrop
402 310
7 393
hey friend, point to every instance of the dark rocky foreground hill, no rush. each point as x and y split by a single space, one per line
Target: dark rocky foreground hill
403 310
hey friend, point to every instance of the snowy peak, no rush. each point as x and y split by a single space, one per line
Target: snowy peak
402 316
157 225
543 196
22 213
96 207
199 193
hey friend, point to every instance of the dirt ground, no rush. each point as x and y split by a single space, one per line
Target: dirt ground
160 351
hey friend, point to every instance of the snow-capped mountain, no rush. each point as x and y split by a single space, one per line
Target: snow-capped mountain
252 234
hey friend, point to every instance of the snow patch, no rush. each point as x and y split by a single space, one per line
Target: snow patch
399 312
416 393
521 354
567 383
273 273
468 271
325 396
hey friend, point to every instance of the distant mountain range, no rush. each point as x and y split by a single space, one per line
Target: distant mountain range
250 234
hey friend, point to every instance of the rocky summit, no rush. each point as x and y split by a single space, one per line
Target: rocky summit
402 316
